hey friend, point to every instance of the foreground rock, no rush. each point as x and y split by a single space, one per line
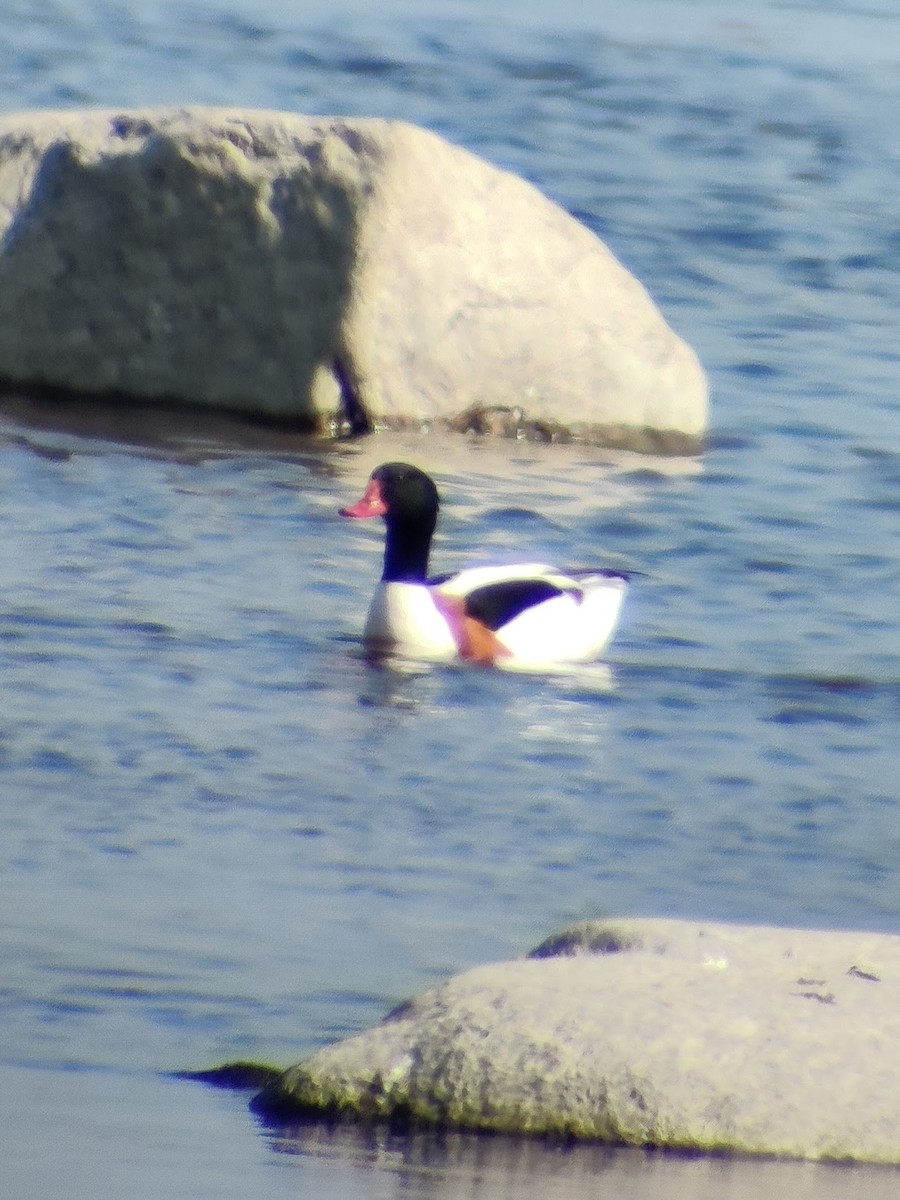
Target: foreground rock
665 1033
323 272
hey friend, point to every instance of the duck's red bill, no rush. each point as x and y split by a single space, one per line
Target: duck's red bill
371 505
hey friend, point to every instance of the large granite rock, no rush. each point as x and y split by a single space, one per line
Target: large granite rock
666 1033
321 271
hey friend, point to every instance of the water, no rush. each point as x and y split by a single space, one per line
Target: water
222 836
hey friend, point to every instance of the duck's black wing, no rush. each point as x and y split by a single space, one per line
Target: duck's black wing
497 603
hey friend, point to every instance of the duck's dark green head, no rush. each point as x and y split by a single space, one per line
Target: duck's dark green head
408 500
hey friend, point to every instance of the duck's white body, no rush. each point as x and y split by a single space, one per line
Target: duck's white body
575 626
519 616
404 619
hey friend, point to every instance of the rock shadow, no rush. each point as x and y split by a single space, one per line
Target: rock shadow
201 268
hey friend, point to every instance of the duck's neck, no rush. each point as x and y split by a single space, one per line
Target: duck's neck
406 554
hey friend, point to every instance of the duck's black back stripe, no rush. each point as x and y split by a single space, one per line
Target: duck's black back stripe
496 603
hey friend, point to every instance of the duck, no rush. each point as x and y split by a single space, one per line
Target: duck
517 616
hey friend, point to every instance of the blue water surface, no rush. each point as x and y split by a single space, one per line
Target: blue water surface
222 835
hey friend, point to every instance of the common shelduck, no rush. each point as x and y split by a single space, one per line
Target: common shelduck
525 615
